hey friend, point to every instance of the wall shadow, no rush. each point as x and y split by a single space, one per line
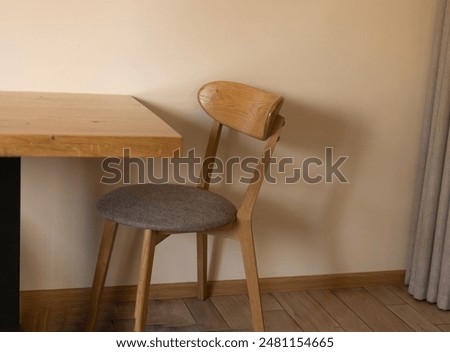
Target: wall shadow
309 130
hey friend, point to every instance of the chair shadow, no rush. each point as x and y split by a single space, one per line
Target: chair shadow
309 130
190 130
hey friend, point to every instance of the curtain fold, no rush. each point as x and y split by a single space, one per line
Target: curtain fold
428 267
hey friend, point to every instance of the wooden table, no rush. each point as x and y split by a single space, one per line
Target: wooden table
63 125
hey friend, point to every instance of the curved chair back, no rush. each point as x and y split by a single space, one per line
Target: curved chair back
241 107
248 110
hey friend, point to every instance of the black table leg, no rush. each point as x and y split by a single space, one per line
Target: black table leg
9 243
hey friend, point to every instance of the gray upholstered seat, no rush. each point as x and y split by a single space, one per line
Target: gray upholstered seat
167 207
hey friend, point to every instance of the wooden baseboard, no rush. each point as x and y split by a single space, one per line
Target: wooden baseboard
31 299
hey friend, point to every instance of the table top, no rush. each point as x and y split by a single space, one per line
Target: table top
81 125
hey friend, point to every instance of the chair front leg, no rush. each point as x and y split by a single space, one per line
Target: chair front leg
104 257
145 272
251 272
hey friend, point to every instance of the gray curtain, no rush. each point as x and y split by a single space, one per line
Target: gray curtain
428 270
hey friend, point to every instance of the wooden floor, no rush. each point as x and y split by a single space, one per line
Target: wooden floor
380 308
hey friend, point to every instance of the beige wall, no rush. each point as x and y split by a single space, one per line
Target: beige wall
353 72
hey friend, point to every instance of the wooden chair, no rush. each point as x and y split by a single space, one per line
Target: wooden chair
163 210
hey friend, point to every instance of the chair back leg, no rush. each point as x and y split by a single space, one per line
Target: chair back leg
251 273
202 266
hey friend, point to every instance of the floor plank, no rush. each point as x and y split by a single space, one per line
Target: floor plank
78 313
306 312
435 315
279 320
413 318
370 310
385 295
173 313
269 303
123 324
444 327
235 310
205 314
165 328
161 312
35 320
339 311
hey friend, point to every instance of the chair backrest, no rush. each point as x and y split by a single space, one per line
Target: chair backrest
248 110
241 107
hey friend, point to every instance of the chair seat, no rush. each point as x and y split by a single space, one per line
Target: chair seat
167 207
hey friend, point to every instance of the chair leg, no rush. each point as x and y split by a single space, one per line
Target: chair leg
145 272
104 257
202 265
251 273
